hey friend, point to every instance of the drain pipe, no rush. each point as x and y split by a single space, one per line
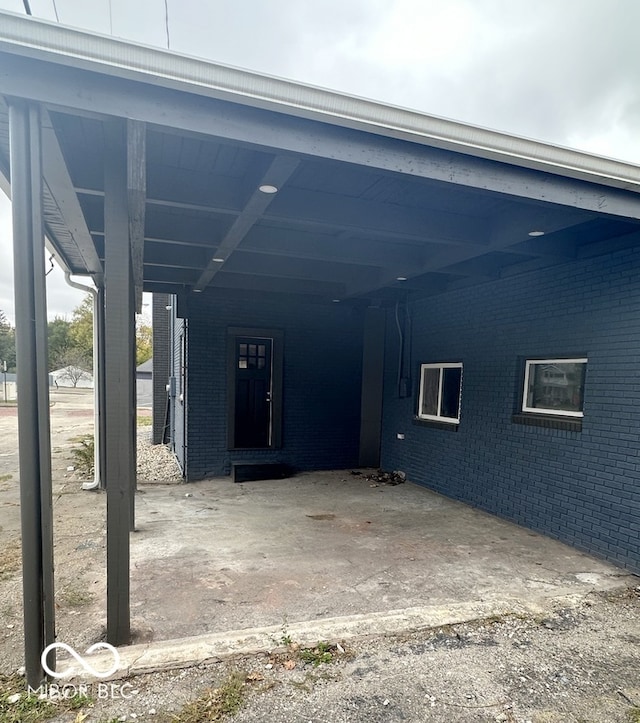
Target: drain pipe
97 374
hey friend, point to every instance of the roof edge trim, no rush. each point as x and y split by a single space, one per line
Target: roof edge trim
50 41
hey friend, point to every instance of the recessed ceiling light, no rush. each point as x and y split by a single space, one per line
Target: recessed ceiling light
266 188
336 301
536 233
218 259
401 278
197 291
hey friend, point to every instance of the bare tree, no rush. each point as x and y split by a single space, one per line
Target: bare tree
74 364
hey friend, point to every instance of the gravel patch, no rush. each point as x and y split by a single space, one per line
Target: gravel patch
577 665
156 462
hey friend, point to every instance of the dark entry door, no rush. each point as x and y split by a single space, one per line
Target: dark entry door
253 367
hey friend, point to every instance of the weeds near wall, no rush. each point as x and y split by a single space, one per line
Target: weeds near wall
83 455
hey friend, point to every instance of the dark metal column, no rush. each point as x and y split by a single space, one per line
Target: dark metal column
133 411
119 352
100 381
33 387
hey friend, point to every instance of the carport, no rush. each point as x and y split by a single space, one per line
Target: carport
147 170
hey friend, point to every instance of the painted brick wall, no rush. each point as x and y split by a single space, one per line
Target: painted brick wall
321 378
580 487
178 397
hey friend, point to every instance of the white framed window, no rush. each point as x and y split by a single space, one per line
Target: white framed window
440 392
554 386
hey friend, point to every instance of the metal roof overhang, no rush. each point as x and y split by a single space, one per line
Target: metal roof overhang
367 194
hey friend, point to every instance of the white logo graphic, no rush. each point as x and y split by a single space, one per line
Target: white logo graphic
68 673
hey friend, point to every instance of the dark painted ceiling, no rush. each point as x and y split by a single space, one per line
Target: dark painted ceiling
333 230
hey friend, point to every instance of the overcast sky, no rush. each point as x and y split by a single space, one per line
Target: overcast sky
563 71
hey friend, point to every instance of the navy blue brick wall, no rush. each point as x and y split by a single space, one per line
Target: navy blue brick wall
580 487
321 378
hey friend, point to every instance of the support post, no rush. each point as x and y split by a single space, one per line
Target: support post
100 381
133 408
372 386
34 441
119 364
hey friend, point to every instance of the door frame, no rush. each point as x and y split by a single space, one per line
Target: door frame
277 363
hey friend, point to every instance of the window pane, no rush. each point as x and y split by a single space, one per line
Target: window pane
430 384
450 406
557 386
243 349
242 363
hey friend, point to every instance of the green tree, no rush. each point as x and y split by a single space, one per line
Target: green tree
60 342
81 330
81 334
144 342
7 343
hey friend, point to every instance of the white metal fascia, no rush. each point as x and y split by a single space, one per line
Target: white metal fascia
60 44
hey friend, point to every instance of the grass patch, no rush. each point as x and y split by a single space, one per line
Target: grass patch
144 421
10 560
323 653
633 715
75 597
18 706
216 703
84 455
295 656
5 477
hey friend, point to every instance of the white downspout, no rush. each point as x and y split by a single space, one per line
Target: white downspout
96 390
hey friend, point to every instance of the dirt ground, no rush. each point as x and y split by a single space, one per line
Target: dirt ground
579 663
79 530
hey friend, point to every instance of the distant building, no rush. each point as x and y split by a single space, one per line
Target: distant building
144 383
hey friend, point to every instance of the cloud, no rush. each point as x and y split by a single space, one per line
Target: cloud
560 72
6 254
61 298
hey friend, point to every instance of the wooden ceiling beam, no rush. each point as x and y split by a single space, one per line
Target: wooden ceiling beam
278 173
136 198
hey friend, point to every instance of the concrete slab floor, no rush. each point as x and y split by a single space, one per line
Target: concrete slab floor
214 556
